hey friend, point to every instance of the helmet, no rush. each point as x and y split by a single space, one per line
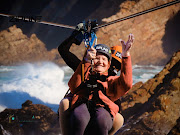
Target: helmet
116 53
116 60
104 49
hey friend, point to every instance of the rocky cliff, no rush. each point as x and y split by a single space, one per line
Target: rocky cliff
15 48
149 30
150 108
156 33
153 108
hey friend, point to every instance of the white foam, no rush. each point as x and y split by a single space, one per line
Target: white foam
144 72
6 69
147 76
142 78
2 108
43 81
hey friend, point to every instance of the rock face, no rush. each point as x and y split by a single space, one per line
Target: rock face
156 33
15 47
31 119
153 108
149 31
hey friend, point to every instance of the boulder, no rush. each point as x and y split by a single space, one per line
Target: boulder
31 119
17 48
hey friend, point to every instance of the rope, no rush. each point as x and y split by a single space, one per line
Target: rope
138 14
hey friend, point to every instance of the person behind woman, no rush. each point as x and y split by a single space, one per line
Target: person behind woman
94 107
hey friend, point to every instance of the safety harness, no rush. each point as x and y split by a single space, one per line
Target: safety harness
91 87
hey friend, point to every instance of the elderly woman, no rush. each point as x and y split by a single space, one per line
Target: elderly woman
72 61
93 100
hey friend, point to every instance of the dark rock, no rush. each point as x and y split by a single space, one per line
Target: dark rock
27 103
31 119
175 129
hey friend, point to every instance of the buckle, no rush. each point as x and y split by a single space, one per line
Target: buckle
92 85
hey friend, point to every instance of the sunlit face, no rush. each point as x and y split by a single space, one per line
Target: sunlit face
101 63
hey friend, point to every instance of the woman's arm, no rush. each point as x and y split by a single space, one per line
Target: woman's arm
125 79
118 86
76 37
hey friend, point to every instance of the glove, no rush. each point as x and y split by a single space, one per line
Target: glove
78 33
80 27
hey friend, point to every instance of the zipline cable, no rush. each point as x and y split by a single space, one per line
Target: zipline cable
138 14
109 23
43 22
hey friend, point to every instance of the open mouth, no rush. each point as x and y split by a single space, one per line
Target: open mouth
99 66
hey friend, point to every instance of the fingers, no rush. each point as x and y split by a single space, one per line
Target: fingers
122 42
130 41
127 46
91 53
131 38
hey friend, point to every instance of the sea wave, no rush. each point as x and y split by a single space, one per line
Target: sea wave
41 80
6 69
46 83
144 72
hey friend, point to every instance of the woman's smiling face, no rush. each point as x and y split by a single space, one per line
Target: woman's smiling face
101 63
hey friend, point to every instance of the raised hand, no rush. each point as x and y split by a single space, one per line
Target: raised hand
91 54
127 46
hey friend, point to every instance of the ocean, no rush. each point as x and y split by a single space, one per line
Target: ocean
46 83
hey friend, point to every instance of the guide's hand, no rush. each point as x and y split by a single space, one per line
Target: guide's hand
78 33
91 54
80 27
127 46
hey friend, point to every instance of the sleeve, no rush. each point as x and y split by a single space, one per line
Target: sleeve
70 59
75 80
118 86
